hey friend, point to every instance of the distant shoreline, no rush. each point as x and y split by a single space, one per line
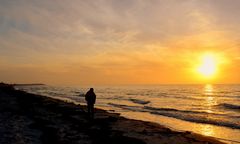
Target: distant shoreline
31 84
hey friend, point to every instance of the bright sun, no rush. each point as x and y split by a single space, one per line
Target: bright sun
208 66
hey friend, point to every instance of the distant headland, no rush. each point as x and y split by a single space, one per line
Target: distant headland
29 84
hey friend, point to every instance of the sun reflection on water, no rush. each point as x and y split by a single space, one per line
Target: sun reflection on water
209 97
207 130
209 102
208 90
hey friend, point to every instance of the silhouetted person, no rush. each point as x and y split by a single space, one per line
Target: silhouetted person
90 97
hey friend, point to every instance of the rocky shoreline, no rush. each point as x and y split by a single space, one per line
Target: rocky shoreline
33 119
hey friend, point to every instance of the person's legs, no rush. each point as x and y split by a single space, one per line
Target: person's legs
92 110
89 108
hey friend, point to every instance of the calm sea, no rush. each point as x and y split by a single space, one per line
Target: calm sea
212 110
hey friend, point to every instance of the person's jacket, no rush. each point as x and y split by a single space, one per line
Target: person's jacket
90 97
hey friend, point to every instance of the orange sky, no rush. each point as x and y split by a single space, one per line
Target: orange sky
118 42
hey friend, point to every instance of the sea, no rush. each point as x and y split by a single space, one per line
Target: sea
211 110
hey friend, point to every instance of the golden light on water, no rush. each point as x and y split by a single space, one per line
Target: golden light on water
208 89
207 130
209 102
209 99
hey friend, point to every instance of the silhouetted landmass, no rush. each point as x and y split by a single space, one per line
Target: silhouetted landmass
33 84
29 118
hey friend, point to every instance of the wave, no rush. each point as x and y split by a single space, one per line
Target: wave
138 101
192 116
80 94
188 112
229 106
126 107
173 110
202 119
178 96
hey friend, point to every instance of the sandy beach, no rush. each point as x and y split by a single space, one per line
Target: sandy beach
34 119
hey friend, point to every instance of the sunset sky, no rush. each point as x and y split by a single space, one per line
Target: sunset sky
78 42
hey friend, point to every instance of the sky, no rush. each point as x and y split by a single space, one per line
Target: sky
100 42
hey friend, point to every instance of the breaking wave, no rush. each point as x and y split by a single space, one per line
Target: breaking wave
229 106
192 116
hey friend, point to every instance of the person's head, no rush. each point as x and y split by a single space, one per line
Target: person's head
91 89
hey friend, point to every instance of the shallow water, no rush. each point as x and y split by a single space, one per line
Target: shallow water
212 110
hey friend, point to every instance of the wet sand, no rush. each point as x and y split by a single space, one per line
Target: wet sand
34 119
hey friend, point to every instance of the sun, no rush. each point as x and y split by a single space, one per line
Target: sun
208 65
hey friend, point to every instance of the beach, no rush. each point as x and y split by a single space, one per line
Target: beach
30 118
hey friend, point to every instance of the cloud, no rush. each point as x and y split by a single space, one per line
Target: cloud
103 34
96 22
